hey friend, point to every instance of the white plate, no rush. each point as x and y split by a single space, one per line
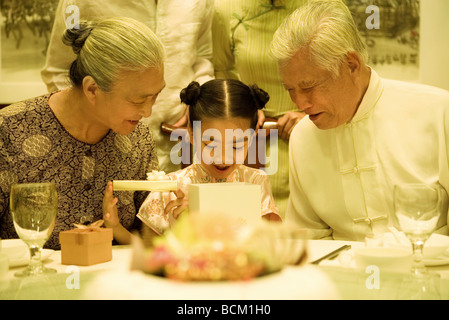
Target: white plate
18 253
439 261
25 260
436 248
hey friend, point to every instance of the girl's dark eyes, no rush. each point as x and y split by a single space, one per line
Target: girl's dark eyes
210 145
239 146
213 146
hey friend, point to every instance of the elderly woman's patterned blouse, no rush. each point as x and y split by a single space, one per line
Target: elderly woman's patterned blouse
35 147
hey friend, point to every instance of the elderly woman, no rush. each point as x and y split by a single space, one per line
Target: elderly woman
184 28
362 134
90 133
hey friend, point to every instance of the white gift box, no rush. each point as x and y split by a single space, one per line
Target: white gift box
240 199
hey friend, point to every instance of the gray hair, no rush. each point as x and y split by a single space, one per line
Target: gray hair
106 47
326 29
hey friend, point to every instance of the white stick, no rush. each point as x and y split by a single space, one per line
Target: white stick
134 185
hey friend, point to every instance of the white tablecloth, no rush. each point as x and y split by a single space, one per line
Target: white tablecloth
114 280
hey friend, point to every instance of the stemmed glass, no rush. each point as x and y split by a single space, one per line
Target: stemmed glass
417 214
33 208
417 208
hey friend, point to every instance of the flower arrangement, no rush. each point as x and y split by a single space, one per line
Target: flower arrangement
216 247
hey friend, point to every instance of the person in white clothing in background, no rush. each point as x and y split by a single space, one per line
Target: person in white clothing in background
362 134
183 26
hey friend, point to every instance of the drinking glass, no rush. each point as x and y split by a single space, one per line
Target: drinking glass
33 208
417 213
417 208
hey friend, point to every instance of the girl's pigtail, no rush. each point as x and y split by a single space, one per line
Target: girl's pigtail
260 96
191 93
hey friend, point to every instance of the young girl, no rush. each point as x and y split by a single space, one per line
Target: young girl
216 106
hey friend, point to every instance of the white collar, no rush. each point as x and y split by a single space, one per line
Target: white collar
370 98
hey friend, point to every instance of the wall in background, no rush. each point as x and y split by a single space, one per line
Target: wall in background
434 46
411 44
391 29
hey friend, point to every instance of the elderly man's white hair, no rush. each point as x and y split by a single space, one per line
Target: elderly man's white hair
326 29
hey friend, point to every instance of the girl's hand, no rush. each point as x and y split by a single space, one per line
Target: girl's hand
178 205
110 213
287 122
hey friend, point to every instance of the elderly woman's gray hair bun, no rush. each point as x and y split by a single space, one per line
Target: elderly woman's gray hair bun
107 47
191 93
76 38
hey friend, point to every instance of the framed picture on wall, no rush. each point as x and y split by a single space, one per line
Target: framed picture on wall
25 31
391 31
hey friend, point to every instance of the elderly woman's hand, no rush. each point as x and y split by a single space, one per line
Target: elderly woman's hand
110 214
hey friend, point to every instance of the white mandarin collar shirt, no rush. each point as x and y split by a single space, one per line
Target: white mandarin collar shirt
342 179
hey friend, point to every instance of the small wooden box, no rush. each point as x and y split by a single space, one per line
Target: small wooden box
85 247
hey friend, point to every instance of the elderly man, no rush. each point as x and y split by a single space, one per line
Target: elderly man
363 134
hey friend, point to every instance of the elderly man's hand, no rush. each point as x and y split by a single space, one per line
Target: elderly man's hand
260 119
182 122
287 122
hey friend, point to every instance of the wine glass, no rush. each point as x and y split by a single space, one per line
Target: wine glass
417 208
33 208
417 213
